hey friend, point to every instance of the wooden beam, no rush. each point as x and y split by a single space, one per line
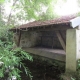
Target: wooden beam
51 28
19 38
61 40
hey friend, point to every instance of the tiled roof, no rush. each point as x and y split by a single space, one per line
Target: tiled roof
61 20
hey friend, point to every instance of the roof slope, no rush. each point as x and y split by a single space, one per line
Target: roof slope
61 20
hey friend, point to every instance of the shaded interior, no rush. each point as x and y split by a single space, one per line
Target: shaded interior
44 39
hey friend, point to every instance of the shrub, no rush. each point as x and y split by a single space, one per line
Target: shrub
11 60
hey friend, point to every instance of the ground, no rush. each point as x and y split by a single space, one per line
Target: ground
44 69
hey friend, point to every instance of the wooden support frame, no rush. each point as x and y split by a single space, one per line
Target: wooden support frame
50 28
19 38
61 39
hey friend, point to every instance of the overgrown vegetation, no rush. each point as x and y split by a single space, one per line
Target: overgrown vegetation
76 75
72 75
43 68
20 12
11 59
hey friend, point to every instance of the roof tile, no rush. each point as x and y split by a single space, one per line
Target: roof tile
61 20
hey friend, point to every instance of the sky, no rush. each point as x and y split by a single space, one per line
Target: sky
8 7
70 7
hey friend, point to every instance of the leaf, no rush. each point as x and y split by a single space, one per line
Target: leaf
2 1
1 73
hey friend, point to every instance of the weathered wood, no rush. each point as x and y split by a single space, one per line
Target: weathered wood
41 40
56 54
61 40
19 38
63 35
52 43
50 28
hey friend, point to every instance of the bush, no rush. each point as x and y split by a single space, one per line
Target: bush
76 75
11 60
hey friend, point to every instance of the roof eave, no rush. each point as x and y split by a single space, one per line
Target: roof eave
75 22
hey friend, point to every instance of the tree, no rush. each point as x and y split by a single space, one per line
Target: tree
10 59
27 10
36 9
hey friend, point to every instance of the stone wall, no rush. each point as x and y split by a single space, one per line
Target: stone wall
50 39
43 39
16 38
29 39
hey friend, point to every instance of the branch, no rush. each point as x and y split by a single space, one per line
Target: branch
9 18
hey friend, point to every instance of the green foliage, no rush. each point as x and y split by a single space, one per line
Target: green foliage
11 59
73 75
1 1
28 10
76 75
36 8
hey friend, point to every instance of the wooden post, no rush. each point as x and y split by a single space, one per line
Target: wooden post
19 39
72 49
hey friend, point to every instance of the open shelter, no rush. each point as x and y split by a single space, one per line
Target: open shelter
56 39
